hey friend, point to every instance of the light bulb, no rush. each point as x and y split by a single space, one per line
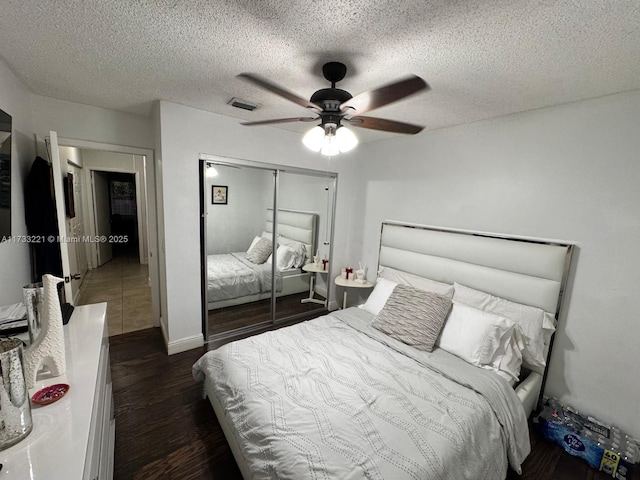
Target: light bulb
345 139
314 138
330 146
211 172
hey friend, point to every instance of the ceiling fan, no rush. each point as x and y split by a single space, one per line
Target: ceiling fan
332 106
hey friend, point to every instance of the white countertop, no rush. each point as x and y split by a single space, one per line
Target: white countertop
56 447
312 267
343 282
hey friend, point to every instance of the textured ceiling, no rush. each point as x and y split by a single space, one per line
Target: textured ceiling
482 59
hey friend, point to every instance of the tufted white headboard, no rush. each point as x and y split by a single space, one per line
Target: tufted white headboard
528 271
296 225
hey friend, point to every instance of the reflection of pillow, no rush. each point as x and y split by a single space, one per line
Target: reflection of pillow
253 243
531 321
260 251
478 337
413 316
298 247
378 296
421 283
286 256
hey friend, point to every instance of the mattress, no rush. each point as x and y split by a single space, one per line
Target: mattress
290 272
334 398
231 275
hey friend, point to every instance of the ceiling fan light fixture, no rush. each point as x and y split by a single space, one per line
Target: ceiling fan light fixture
211 171
346 139
330 146
330 139
314 138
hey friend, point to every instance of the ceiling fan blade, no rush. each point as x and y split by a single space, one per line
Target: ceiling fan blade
273 88
384 125
280 120
385 95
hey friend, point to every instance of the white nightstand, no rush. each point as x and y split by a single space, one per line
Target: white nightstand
314 270
347 284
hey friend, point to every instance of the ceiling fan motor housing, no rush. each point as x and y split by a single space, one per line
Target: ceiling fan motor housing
330 99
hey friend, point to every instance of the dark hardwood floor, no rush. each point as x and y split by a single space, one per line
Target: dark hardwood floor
225 319
166 430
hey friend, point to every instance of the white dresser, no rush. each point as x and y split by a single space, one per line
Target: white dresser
72 438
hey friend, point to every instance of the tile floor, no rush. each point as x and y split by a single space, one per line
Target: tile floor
124 284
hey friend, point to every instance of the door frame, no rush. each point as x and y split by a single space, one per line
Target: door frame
153 240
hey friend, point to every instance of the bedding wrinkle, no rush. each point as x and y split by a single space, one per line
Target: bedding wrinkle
280 430
334 398
312 410
231 275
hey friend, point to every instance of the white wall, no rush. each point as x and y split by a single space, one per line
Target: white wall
85 122
231 227
185 133
14 257
569 172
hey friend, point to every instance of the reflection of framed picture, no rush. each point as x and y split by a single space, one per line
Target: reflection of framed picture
219 194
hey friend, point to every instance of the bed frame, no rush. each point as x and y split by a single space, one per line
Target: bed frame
293 224
524 270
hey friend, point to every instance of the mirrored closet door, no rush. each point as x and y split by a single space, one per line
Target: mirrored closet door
304 202
263 227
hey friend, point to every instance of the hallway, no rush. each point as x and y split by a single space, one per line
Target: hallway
123 283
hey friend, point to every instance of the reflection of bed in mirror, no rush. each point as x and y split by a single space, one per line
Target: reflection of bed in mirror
233 279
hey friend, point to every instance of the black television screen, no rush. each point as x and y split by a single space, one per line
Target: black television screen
5 175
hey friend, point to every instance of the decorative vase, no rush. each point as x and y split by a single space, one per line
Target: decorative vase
48 349
33 295
15 409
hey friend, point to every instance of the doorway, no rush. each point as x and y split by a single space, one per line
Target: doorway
130 283
115 211
120 273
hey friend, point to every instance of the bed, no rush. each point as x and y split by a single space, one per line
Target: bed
232 279
339 398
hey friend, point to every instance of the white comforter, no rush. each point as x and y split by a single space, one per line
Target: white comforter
231 275
333 398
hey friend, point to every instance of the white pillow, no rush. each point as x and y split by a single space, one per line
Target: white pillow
253 243
531 321
507 361
286 257
474 335
298 247
421 283
378 296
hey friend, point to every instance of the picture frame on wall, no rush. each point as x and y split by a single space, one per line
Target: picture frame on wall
219 194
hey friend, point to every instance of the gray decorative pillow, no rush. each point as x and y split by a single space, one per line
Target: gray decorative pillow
260 251
413 316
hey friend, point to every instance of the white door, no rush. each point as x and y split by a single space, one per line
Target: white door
59 177
75 228
102 215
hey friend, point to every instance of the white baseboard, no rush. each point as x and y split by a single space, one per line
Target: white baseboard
184 344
